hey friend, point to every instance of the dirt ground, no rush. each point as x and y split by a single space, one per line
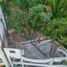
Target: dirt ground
15 38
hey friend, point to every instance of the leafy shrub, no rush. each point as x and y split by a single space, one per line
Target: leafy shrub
58 7
57 29
15 20
17 25
5 6
38 17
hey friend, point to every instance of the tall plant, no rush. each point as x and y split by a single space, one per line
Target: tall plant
38 17
57 7
5 6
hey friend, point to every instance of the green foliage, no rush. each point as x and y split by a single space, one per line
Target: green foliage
35 2
5 6
23 4
64 62
38 17
15 20
57 29
17 25
22 14
58 8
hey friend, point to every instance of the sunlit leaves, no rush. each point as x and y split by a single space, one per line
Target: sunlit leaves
38 17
